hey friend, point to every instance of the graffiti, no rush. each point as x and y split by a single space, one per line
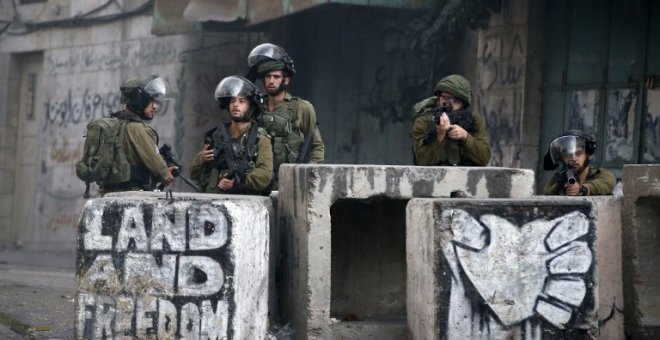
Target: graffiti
620 125
651 131
64 153
75 110
583 111
164 265
88 107
111 56
501 60
549 263
503 117
62 221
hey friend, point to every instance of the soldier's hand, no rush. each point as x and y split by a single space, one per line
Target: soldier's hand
226 184
170 176
443 127
572 189
456 132
207 153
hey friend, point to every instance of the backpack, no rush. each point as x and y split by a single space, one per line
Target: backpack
104 160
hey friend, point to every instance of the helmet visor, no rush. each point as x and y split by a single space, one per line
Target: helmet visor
233 86
158 89
566 147
264 52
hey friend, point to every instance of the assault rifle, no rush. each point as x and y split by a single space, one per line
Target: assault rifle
165 151
567 175
462 118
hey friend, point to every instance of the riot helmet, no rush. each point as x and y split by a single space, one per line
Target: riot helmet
569 143
268 57
237 86
137 93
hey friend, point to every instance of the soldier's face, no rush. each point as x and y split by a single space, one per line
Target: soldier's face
578 159
239 107
150 110
448 98
275 81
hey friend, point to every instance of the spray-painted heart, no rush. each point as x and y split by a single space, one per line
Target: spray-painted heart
538 267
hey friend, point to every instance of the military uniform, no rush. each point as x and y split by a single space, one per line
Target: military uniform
600 181
140 144
474 151
288 124
258 158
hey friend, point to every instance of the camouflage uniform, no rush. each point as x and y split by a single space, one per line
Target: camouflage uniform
258 176
474 151
140 143
600 181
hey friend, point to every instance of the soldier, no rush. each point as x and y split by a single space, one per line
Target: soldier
138 142
289 120
237 158
446 130
576 178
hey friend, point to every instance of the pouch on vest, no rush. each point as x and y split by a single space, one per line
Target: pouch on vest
285 131
104 159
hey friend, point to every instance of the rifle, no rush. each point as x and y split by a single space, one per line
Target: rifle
237 166
462 118
567 175
165 151
303 156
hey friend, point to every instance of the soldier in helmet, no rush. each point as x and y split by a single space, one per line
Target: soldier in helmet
576 177
237 158
142 96
446 130
289 120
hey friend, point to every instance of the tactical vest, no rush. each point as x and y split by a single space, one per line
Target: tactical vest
285 130
243 152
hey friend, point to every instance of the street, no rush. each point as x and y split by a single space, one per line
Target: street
37 291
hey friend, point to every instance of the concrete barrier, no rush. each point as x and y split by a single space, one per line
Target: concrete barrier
496 269
641 250
342 235
195 266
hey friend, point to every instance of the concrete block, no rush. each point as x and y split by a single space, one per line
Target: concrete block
500 269
641 250
342 240
195 266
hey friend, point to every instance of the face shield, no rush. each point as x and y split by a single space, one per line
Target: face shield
566 147
234 86
265 52
158 89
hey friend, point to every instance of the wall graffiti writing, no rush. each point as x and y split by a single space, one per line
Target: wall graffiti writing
503 115
620 125
75 110
549 262
501 59
651 134
64 152
583 110
111 56
164 265
88 107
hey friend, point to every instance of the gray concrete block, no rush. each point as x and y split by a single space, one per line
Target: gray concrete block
641 250
195 267
498 269
342 239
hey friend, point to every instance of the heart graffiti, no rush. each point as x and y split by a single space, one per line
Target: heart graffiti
520 271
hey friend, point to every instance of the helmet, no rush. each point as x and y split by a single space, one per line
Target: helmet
136 93
237 86
456 85
567 144
269 57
